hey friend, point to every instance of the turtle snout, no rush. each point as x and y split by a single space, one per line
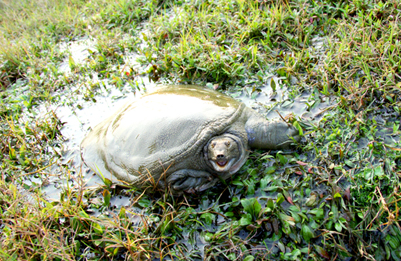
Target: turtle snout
220 156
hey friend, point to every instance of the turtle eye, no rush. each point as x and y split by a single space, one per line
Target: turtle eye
227 143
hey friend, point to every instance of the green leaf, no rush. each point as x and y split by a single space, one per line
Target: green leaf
307 233
229 214
208 217
237 183
312 200
235 199
396 232
322 252
144 202
106 197
368 174
107 182
71 62
83 214
270 170
297 126
296 217
167 224
271 188
231 256
250 190
12 154
251 206
286 228
273 84
318 212
392 241
338 226
334 210
252 172
264 181
113 250
388 253
76 224
295 253
249 258
379 172
97 228
268 156
245 220
286 219
282 71
270 203
305 250
280 199
122 212
349 163
283 159
208 236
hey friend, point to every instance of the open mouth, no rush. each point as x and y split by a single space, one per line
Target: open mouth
222 163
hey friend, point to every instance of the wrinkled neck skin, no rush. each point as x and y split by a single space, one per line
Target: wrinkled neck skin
274 135
242 152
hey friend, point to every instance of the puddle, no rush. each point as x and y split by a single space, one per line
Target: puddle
78 52
78 122
271 103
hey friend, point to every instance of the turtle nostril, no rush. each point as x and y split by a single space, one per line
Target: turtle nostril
220 156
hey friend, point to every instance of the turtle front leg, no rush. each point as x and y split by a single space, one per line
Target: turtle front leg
190 181
263 134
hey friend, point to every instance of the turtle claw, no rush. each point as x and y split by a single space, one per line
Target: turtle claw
188 180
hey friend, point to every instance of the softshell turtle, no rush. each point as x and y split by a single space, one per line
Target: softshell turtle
183 137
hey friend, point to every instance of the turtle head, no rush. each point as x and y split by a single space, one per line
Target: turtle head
222 153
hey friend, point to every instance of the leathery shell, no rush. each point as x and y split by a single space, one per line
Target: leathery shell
159 133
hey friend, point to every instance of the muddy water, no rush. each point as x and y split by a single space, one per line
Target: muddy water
78 122
79 115
273 103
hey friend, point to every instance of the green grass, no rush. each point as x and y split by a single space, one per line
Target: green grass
29 31
337 195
